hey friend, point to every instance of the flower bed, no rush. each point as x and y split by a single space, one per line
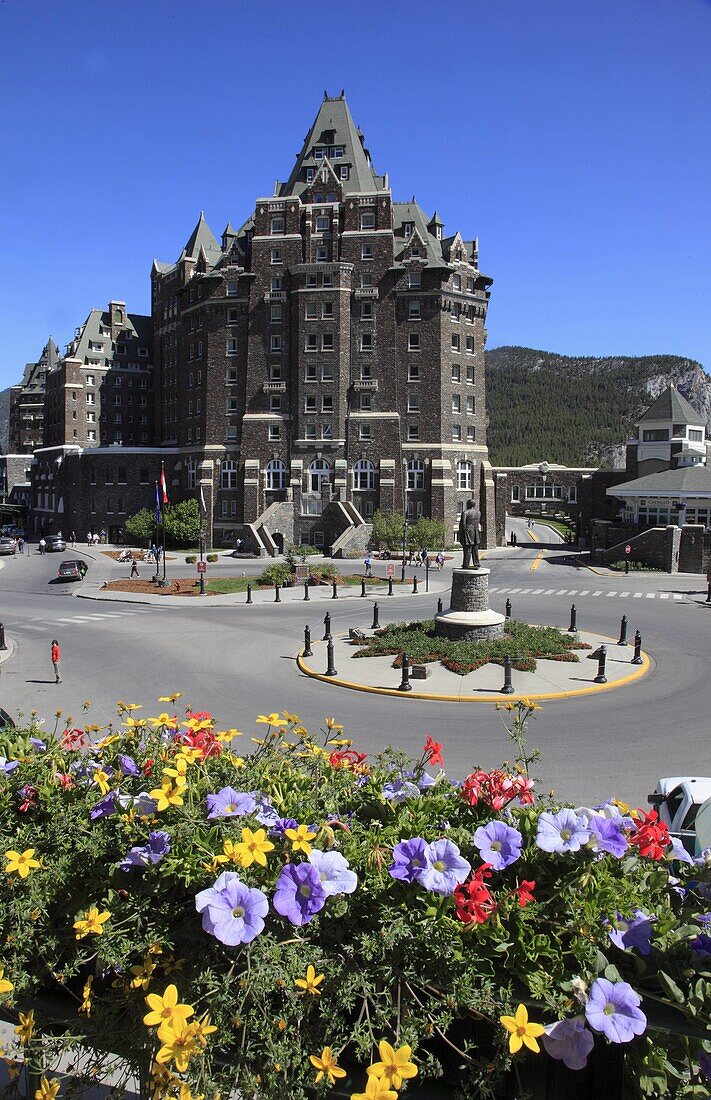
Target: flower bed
302 919
521 642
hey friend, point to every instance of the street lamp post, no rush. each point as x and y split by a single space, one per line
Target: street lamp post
404 541
404 516
202 558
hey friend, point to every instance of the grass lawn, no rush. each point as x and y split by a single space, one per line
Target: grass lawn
558 525
223 585
522 642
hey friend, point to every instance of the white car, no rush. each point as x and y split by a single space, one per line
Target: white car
684 805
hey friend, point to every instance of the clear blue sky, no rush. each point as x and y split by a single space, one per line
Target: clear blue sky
570 136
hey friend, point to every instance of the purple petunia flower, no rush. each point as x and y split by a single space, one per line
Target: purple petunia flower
230 803
446 868
607 835
39 744
334 872
128 765
397 790
565 831
701 946
703 918
498 844
141 803
635 932
612 812
105 807
299 895
231 911
409 859
613 1009
148 854
266 814
426 781
678 851
705 1064
281 824
569 1041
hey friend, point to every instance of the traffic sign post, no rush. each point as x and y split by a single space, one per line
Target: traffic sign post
202 567
628 551
390 569
202 570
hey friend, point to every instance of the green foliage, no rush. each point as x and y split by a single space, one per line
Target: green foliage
387 530
212 557
297 555
182 523
635 566
522 642
191 558
568 410
426 534
277 573
141 526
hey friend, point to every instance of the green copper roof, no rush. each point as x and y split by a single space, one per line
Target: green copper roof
670 405
334 126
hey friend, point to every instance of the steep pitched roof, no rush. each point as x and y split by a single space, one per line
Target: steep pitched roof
411 212
334 125
202 237
670 405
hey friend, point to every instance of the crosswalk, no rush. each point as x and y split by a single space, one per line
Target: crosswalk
87 619
674 596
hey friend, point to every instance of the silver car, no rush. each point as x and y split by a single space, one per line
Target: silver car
7 545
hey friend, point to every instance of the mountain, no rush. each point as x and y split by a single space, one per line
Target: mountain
4 420
578 411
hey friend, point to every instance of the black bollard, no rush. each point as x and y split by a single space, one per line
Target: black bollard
249 593
308 652
390 586
362 587
277 593
405 684
306 591
708 593
508 609
637 659
573 620
376 620
331 669
623 631
439 607
627 567
334 595
414 586
601 678
2 636
507 689
327 627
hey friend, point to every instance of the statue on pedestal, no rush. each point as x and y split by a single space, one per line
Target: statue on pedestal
470 535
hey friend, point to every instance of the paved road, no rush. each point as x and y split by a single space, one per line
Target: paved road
238 662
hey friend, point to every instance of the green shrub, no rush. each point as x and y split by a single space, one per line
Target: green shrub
191 558
212 557
274 574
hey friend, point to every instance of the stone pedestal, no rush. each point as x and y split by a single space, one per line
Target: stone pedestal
469 618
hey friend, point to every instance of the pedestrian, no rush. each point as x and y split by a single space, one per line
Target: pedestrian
368 565
73 538
423 556
89 539
42 545
134 569
440 561
56 658
21 545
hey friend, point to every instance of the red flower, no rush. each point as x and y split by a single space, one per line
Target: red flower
148 766
473 902
524 892
204 740
28 798
348 758
524 790
65 780
496 789
73 739
433 752
651 836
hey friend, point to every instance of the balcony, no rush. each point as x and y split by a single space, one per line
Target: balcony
275 296
366 292
274 387
361 384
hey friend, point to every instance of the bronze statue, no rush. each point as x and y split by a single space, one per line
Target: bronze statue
469 535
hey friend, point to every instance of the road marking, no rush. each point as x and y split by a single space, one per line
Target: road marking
562 592
549 591
533 538
536 591
610 594
598 593
650 595
624 595
29 626
585 592
677 596
637 595
537 560
512 590
663 595
573 592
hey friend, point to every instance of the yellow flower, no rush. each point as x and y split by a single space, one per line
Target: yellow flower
92 923
202 1029
395 1066
332 724
290 717
253 848
178 771
190 754
168 795
300 838
376 1089
22 862
101 779
623 807
109 740
164 719
227 735
166 1009
47 1090
521 1031
162 1080
327 1066
142 973
311 982
198 724
133 706
235 761
170 698
186 1094
269 719
231 855
85 1006
25 1028
529 704
5 985
179 1043
136 723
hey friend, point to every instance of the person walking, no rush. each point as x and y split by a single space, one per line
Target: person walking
134 569
42 545
56 658
440 561
73 538
21 545
368 566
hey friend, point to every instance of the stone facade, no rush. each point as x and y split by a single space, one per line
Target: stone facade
27 402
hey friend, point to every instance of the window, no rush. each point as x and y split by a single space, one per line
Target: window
326 341
232 433
415 475
90 380
91 435
413 433
232 349
363 475
228 474
319 474
366 252
413 402
275 403
327 310
90 399
413 372
343 172
470 345
276 283
456 433
471 433
464 475
117 418
327 373
311 342
117 399
91 417
326 431
413 341
117 382
470 285
143 475
366 280
275 474
366 311
275 313
311 373
364 433
696 435
326 280
413 311
276 256
515 494
311 311
414 280
275 344
655 435
232 316
323 223
231 405
366 341
310 431
367 220
457 282
310 403
311 281
407 228
456 403
456 311
456 372
365 402
470 376
573 494
322 254
455 342
327 402
470 405
231 288
199 348
310 173
275 372
273 433
277 225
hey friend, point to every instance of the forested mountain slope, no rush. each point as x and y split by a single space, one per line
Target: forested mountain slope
578 411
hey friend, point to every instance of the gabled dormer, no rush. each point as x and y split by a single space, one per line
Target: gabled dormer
670 434
326 186
435 226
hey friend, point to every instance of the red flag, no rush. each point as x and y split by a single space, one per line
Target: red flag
163 489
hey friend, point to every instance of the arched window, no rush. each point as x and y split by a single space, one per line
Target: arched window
363 474
464 475
415 475
228 474
275 474
319 472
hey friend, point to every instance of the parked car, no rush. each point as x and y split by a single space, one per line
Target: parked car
83 565
7 545
55 544
684 805
71 571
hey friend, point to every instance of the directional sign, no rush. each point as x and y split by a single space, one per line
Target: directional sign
302 572
390 569
628 549
202 567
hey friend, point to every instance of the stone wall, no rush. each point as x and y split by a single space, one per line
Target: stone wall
658 547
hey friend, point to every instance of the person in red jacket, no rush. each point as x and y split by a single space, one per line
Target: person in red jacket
56 658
